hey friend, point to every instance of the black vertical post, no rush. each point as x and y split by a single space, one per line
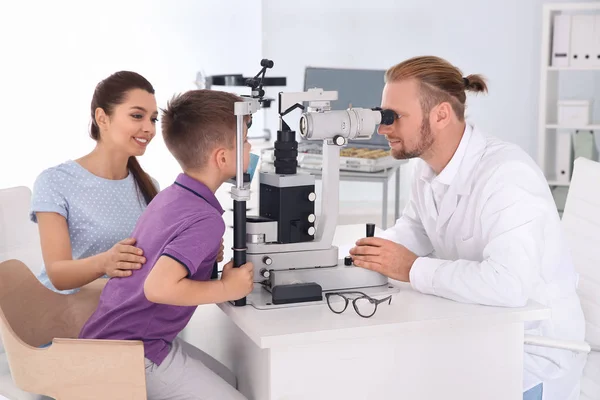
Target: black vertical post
239 239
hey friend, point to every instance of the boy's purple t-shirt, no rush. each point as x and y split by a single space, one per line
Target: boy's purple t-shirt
183 222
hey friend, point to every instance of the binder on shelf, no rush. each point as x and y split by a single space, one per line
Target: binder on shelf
561 38
596 42
582 40
564 156
584 145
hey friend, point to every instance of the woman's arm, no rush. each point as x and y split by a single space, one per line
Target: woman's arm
66 273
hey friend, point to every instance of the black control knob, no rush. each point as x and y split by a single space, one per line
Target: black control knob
348 260
265 273
370 230
266 63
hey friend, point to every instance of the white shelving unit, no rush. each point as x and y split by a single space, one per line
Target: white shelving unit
548 129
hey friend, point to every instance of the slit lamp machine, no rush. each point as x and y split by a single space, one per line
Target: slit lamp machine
290 244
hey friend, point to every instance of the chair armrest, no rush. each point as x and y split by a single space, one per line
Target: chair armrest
576 346
98 342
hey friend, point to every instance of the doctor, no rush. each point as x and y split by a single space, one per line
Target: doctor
481 225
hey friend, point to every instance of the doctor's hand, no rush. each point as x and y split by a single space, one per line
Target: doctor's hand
384 256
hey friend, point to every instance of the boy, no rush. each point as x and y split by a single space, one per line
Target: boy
180 233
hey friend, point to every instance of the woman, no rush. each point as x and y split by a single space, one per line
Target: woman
87 208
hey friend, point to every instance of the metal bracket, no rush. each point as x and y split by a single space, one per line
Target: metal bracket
238 194
246 107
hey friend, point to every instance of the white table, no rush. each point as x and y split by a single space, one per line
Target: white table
419 347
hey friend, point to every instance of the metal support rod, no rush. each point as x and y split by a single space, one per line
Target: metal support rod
239 156
239 207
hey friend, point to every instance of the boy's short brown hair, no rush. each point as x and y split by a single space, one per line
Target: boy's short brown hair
196 122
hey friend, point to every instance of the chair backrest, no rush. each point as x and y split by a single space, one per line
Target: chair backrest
19 237
36 314
581 224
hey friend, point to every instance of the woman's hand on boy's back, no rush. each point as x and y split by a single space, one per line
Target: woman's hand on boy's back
122 258
238 282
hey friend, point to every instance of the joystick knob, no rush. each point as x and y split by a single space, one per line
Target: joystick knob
370 230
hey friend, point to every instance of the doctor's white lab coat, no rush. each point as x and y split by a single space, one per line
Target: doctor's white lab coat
487 231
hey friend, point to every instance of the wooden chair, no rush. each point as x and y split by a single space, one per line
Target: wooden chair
32 316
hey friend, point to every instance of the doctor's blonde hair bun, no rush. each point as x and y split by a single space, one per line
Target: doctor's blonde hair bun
439 81
475 83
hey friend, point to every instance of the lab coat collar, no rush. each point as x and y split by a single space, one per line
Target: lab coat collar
458 174
459 171
473 153
452 168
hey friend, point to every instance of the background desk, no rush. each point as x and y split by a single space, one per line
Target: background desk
420 347
382 177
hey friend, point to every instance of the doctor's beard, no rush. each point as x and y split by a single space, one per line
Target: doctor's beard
425 142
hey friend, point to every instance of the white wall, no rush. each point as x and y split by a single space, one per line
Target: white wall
500 39
53 54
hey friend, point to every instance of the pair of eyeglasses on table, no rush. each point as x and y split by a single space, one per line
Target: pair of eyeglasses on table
363 304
